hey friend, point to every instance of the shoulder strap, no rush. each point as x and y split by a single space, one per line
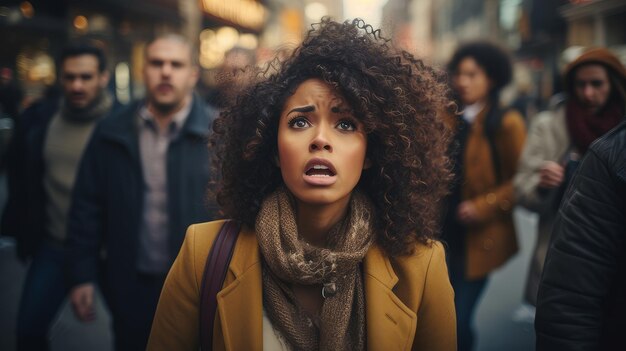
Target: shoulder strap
214 275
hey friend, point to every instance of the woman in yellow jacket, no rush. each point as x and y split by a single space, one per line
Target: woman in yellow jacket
334 165
478 225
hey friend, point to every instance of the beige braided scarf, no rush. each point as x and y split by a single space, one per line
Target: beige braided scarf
290 260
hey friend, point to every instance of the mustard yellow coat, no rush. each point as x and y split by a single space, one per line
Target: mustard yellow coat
492 240
409 300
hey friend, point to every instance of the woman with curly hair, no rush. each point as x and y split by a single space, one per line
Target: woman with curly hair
334 165
478 225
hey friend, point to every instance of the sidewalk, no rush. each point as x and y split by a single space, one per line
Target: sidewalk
67 333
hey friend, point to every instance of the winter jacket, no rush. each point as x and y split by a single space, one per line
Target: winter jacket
24 216
24 213
107 205
409 303
548 140
492 240
582 294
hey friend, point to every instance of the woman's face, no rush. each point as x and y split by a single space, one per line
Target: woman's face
321 145
471 81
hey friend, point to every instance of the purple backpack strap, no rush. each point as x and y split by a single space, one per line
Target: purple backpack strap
214 275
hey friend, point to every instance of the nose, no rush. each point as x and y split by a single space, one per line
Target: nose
588 91
77 84
166 69
321 140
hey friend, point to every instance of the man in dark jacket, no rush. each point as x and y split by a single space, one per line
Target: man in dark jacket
582 294
42 165
141 183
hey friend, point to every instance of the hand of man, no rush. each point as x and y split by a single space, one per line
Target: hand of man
551 175
81 298
467 213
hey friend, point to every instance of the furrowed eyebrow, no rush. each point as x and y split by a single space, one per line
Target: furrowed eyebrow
308 108
340 109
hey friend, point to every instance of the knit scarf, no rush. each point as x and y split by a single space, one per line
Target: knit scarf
289 260
584 127
101 105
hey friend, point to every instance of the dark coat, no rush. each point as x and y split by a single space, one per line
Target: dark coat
107 205
582 294
25 210
24 213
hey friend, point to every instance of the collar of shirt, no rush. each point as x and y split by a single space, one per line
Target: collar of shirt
471 111
147 119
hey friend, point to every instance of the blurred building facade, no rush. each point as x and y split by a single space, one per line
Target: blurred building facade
35 31
596 23
536 31
32 33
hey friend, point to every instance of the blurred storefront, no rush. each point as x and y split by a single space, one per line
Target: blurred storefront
226 27
229 24
34 32
264 28
596 23
537 32
31 35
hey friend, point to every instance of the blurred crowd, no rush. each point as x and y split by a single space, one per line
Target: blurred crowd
100 193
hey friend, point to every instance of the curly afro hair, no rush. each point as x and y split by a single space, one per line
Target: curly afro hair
493 59
398 99
496 63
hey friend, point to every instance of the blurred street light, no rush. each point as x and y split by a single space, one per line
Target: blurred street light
81 23
315 10
27 9
368 10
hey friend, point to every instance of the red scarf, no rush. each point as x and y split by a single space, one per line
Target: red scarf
584 127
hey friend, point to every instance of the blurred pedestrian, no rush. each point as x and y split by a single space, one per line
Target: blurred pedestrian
141 183
10 94
228 80
478 224
582 293
43 162
10 105
596 86
524 101
333 164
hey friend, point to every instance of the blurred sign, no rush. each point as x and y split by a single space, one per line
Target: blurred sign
249 14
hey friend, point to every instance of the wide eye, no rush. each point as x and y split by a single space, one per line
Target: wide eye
596 83
346 125
299 123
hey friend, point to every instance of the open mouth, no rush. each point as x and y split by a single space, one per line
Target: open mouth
320 171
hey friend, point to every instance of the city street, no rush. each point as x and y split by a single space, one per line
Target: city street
496 328
227 73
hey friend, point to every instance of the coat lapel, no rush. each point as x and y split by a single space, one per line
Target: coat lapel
390 323
240 303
